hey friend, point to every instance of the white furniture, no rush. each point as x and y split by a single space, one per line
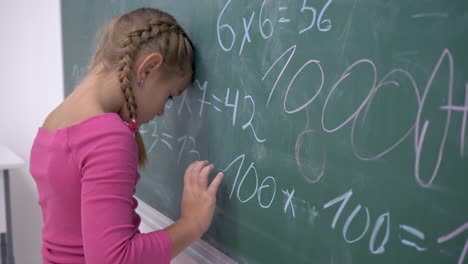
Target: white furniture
8 160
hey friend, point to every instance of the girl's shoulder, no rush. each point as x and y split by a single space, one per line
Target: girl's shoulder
97 127
102 134
60 119
97 121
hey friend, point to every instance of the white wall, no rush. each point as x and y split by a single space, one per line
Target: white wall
31 85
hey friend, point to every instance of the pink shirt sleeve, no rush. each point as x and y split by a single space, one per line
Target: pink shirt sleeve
108 162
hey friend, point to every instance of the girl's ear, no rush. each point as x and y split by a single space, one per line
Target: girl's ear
151 62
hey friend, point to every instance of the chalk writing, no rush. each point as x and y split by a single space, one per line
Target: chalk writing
382 221
454 234
227 34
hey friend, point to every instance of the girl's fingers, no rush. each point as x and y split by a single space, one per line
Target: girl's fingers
203 177
213 188
199 166
195 172
188 181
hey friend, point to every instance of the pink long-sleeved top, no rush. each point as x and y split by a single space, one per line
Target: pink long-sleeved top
86 176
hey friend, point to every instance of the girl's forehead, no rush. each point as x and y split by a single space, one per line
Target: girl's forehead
182 80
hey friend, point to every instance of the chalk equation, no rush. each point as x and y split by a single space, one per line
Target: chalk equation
228 36
356 222
248 185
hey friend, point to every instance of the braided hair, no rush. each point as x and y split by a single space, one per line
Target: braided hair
127 35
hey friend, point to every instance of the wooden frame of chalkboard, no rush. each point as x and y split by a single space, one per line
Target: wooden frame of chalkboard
199 251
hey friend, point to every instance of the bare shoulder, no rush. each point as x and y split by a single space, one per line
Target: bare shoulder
58 119
82 104
68 115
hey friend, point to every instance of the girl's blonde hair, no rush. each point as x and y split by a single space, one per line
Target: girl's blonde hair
131 33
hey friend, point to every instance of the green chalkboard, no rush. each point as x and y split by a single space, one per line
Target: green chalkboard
341 125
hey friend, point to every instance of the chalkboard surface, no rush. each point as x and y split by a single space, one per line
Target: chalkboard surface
341 125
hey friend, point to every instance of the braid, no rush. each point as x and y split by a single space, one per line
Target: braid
165 30
131 46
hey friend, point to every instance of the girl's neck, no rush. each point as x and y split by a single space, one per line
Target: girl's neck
101 90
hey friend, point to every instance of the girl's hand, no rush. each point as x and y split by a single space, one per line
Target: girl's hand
199 198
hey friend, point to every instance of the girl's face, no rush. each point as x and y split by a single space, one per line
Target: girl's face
158 86
151 97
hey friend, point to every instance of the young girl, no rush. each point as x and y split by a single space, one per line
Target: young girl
85 156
